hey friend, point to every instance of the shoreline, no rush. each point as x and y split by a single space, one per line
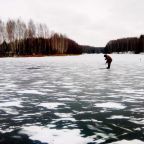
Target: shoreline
26 56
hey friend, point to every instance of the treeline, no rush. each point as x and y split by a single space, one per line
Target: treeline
18 38
91 49
134 45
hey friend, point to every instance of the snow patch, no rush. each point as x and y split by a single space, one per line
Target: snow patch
54 136
128 142
30 92
10 104
118 117
51 105
111 105
66 99
64 115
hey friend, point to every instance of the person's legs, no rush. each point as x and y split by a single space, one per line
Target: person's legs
109 64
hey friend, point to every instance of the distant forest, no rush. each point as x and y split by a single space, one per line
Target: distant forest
20 39
134 45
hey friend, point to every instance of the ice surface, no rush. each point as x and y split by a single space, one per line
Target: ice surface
74 96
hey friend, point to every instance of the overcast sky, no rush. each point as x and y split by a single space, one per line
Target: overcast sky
92 22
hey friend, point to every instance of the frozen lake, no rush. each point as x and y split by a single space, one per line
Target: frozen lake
72 100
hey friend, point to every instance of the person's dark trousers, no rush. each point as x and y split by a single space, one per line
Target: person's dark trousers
109 64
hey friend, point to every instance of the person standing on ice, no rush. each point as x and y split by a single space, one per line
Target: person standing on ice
108 60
